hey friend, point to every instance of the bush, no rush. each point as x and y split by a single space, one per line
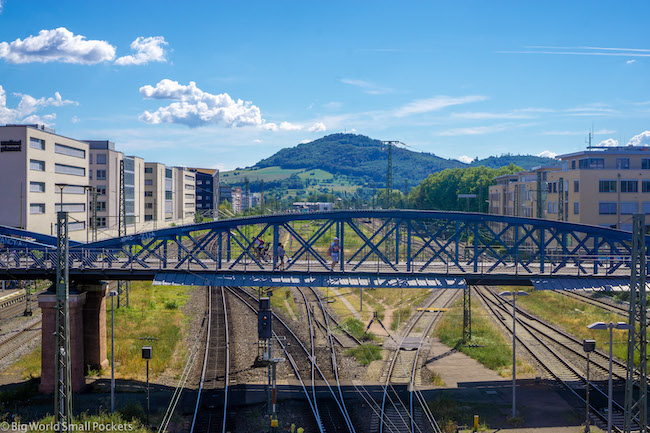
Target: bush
133 411
365 353
171 304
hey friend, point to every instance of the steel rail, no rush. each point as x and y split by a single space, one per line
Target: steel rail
558 357
304 349
296 370
393 361
205 361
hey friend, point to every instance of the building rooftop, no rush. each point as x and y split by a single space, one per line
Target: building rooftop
599 151
100 144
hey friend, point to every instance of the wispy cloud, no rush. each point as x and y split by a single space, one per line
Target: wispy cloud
366 86
631 61
481 130
491 116
599 132
547 154
466 159
580 51
420 106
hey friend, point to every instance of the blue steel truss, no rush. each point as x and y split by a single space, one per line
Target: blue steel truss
377 241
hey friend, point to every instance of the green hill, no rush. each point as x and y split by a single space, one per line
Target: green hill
359 157
524 161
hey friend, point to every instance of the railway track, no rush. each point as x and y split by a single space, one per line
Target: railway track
210 414
397 415
329 414
17 338
583 297
541 341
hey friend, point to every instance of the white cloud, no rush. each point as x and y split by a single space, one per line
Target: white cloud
58 45
466 159
199 108
75 119
27 108
475 130
582 51
366 86
305 141
599 132
257 140
151 49
436 103
490 116
1 5
547 154
631 61
642 139
317 127
610 142
288 126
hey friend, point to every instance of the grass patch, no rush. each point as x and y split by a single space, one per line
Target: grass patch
573 316
98 423
28 366
278 304
365 353
399 317
153 312
451 414
436 379
488 345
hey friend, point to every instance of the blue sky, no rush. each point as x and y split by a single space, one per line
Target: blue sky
224 84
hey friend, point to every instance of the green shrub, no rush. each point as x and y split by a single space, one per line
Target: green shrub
365 353
171 304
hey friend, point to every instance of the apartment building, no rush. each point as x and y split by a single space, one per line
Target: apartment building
155 194
105 176
41 173
185 188
598 186
205 190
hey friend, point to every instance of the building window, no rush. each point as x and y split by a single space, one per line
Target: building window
148 217
76 226
645 185
101 175
148 170
629 207
576 185
189 187
622 163
645 207
36 186
168 195
645 164
573 164
148 181
189 196
189 205
189 178
629 185
168 173
591 163
101 189
199 182
199 197
101 206
70 207
36 208
101 222
35 143
148 205
607 208
100 158
606 185
69 150
36 165
69 169
148 193
576 208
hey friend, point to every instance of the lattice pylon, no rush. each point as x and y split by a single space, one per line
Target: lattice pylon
467 313
636 389
63 376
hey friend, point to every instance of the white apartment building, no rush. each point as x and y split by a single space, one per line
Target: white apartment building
33 161
185 189
104 175
154 194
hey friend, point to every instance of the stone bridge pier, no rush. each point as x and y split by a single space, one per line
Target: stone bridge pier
87 333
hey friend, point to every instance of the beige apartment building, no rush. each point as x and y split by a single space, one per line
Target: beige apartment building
39 170
169 195
154 194
602 187
185 188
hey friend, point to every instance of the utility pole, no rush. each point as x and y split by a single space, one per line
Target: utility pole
389 172
122 286
63 376
247 191
539 195
636 385
262 198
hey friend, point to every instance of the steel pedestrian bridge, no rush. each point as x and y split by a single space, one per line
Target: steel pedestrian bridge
379 248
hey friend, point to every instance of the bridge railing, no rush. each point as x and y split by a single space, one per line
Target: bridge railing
116 260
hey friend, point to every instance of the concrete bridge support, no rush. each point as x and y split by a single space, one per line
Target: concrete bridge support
87 334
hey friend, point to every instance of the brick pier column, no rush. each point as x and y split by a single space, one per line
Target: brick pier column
47 302
94 319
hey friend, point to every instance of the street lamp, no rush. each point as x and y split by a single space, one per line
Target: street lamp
61 187
514 295
611 326
112 294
